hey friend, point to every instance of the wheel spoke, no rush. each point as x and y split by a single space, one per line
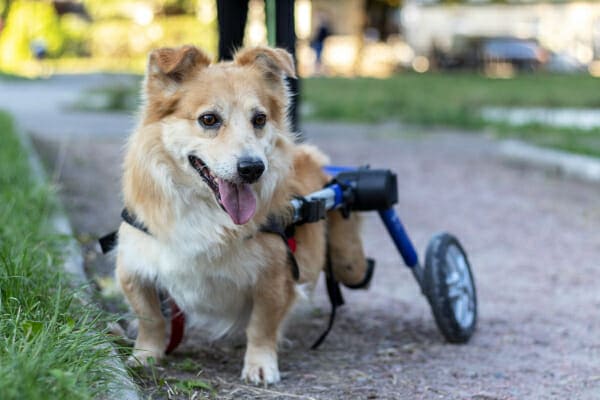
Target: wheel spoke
453 279
459 286
464 303
451 260
462 263
455 291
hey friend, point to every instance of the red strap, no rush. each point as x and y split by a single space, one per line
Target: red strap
177 326
291 242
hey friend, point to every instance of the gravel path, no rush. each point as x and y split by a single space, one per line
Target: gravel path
532 239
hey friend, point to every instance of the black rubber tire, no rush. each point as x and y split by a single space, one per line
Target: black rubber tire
437 290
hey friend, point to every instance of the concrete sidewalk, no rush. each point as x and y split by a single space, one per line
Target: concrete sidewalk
45 106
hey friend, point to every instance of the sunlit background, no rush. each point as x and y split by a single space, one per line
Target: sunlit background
368 37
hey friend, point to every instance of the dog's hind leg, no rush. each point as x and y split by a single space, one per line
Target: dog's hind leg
346 248
272 298
144 300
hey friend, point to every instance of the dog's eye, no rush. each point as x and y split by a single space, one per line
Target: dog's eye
209 121
259 120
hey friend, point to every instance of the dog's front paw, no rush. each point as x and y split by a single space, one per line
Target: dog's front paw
260 367
144 358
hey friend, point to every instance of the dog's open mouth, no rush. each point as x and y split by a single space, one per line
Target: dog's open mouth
237 199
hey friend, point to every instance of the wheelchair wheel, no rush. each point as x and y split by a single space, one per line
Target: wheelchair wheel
450 288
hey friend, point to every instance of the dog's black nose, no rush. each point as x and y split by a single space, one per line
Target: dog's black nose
250 169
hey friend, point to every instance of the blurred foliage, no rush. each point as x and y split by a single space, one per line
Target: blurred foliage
4 6
174 7
76 32
113 98
114 35
29 23
103 9
121 39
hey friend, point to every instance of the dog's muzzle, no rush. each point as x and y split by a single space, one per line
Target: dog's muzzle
236 198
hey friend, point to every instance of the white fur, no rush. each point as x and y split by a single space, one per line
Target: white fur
261 367
206 262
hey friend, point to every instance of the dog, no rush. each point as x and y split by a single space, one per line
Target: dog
210 162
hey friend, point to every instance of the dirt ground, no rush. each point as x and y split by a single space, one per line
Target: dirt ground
532 239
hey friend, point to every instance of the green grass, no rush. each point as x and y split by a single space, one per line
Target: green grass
49 346
456 100
116 98
442 98
154 381
4 76
586 142
430 99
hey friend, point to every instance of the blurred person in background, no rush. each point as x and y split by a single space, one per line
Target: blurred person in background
318 42
232 15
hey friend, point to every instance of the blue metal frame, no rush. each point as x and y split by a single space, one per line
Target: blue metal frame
333 195
400 237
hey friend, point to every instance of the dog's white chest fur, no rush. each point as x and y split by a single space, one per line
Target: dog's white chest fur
208 272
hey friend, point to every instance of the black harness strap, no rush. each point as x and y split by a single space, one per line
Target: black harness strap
335 299
333 288
132 220
109 242
287 233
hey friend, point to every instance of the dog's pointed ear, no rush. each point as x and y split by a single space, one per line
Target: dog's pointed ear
168 69
275 63
176 64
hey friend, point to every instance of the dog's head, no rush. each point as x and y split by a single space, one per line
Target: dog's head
224 125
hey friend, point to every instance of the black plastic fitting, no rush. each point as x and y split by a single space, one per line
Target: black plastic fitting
371 189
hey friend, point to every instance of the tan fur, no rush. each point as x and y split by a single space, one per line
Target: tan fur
145 303
224 276
348 260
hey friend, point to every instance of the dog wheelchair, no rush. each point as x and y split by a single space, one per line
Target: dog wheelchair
445 279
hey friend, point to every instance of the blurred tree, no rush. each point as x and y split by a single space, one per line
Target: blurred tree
4 6
76 32
178 7
125 31
29 25
112 34
102 9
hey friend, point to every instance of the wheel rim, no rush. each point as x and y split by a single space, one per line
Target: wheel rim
460 287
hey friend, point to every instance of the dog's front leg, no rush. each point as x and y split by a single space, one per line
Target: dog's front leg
144 300
272 298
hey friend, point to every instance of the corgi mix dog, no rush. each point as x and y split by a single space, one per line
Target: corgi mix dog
210 161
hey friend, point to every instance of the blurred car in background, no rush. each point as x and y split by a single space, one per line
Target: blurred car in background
564 63
489 53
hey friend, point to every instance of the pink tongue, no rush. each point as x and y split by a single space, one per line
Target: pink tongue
238 200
